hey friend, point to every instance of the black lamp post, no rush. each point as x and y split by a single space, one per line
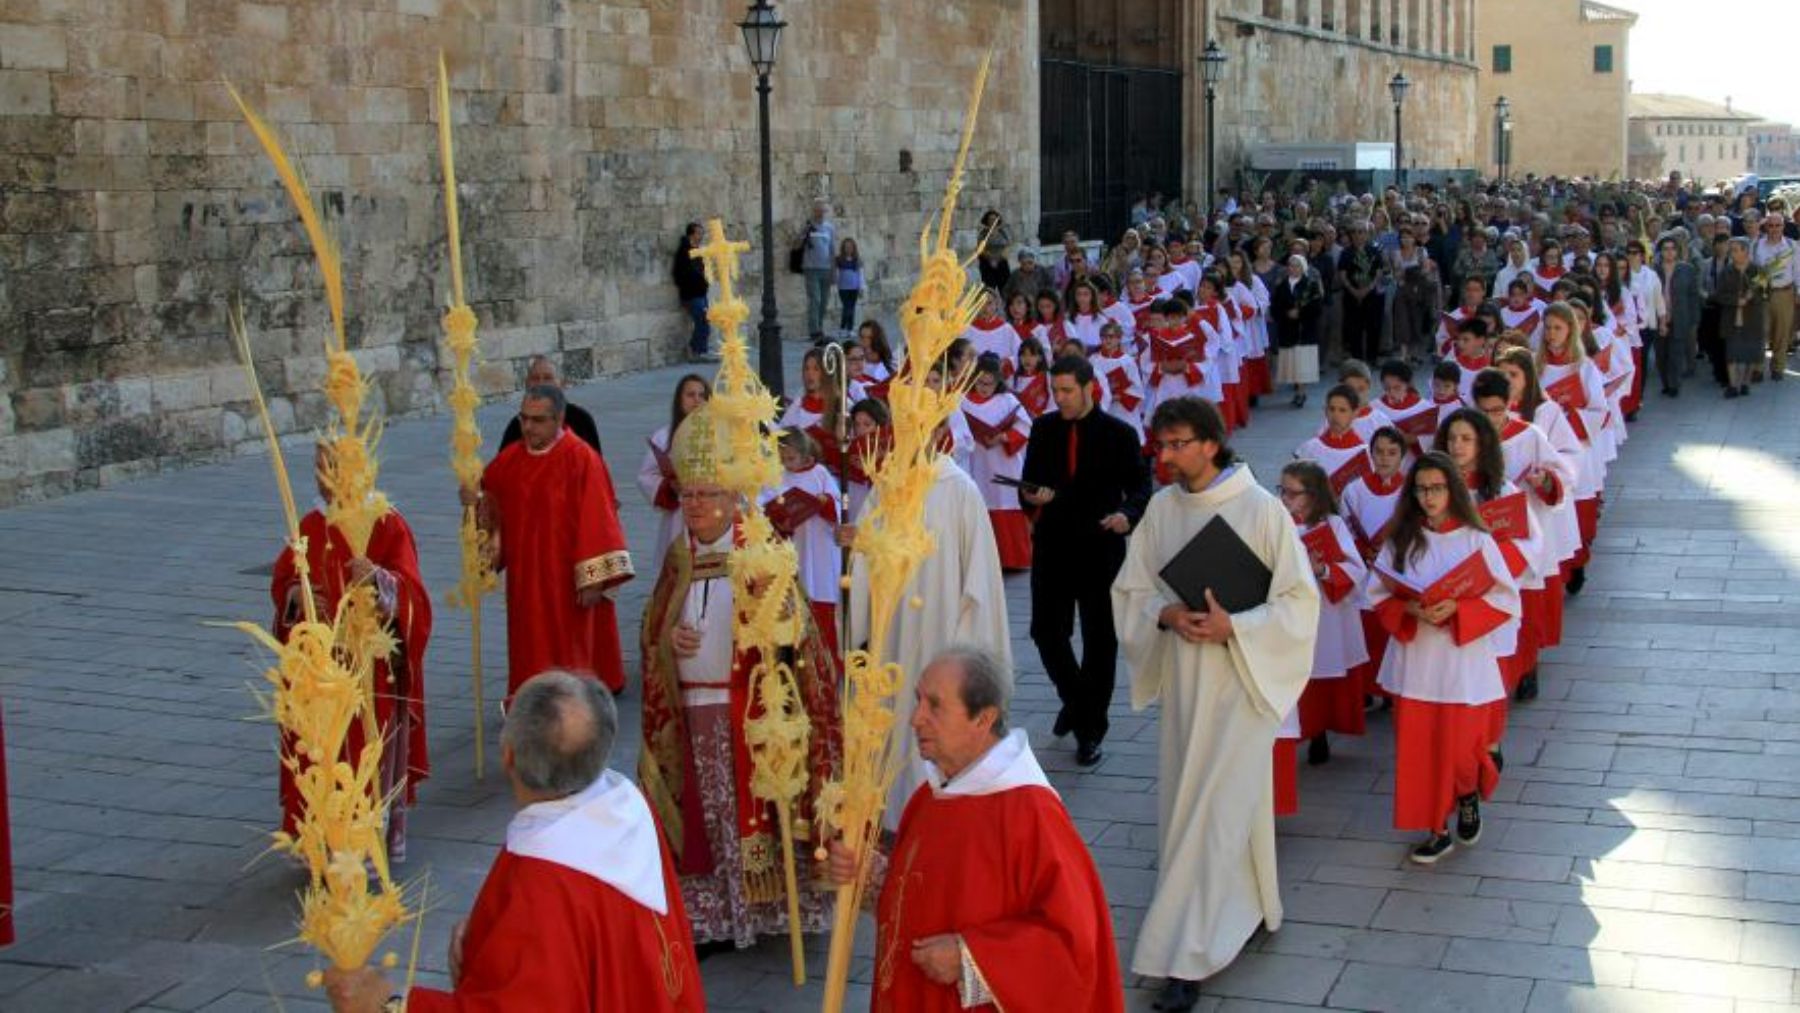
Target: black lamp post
1398 85
1212 68
762 33
1502 134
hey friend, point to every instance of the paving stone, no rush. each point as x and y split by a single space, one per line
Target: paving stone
1561 997
1372 987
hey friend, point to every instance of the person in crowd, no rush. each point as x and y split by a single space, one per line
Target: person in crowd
656 472
804 509
1028 279
691 288
1295 306
820 410
990 897
581 909
996 243
1224 681
552 520
1339 449
1001 427
1773 253
848 269
1674 346
540 371
818 248
1741 294
1086 475
878 365
1332 701
1415 296
1361 268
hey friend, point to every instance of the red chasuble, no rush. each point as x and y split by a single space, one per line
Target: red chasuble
559 534
1010 874
392 548
546 938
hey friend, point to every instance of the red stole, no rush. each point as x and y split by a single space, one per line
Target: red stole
1033 392
1010 874
559 531
545 937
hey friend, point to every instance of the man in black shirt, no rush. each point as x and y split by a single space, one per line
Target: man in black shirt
1359 270
541 372
1086 473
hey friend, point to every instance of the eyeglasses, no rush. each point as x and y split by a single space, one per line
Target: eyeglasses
1176 445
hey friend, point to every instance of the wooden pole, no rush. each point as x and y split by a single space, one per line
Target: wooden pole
795 946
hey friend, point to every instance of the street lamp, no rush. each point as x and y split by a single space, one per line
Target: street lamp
1502 134
762 33
1398 85
1212 68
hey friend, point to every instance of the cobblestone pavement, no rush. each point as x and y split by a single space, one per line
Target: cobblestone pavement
1643 851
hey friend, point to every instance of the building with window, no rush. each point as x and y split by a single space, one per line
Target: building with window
1774 149
1562 67
1317 71
1701 140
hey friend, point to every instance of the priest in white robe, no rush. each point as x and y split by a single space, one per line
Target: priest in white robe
1224 681
962 601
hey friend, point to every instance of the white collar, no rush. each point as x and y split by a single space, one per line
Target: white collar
604 831
560 433
1007 764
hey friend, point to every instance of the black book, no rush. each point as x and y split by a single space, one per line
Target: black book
1218 560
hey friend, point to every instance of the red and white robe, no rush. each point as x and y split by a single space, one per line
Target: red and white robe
1085 326
1253 308
1033 392
1012 531
1344 456
1408 412
1530 454
1578 390
1369 505
994 336
1543 279
1198 378
815 544
1449 324
1465 388
1125 385
808 415
1333 700
1445 679
1528 319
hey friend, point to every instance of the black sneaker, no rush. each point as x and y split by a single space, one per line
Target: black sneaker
1318 750
1468 819
1435 847
1577 580
1499 759
1063 723
1088 753
1178 995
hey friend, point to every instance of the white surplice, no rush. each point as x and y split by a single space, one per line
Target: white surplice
963 601
1222 705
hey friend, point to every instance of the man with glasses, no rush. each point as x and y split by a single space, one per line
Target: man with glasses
552 519
1775 254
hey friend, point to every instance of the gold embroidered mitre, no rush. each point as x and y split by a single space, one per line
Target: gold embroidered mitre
700 446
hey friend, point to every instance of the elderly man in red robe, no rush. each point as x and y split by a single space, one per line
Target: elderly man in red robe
580 912
391 565
550 502
696 764
990 899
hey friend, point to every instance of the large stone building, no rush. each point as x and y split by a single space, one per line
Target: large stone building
1773 148
135 206
1562 67
1702 140
1318 71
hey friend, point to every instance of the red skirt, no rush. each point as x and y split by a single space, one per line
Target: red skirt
1233 405
1535 616
1257 377
1241 395
1375 636
1224 408
1550 633
1287 777
1587 519
1012 538
1332 705
825 616
1634 398
1440 755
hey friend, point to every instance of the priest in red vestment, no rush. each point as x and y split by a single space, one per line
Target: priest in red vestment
561 546
695 766
580 912
990 899
391 565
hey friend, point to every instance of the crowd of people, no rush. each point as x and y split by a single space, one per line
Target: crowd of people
1413 558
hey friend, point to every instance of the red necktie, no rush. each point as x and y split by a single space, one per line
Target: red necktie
1074 445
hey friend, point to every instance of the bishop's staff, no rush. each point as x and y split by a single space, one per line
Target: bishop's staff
834 358
477 578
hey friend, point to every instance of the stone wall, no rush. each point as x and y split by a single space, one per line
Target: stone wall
1301 72
134 205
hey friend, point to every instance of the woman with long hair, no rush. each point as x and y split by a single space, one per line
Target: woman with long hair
1369 504
1572 382
1252 299
990 334
1031 384
879 365
1332 700
656 472
1082 315
819 410
1001 427
1442 589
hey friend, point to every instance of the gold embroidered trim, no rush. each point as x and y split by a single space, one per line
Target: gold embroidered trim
603 569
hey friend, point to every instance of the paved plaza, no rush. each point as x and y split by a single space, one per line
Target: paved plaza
1642 852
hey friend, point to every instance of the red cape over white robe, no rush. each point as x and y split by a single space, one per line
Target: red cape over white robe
559 534
580 914
993 857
